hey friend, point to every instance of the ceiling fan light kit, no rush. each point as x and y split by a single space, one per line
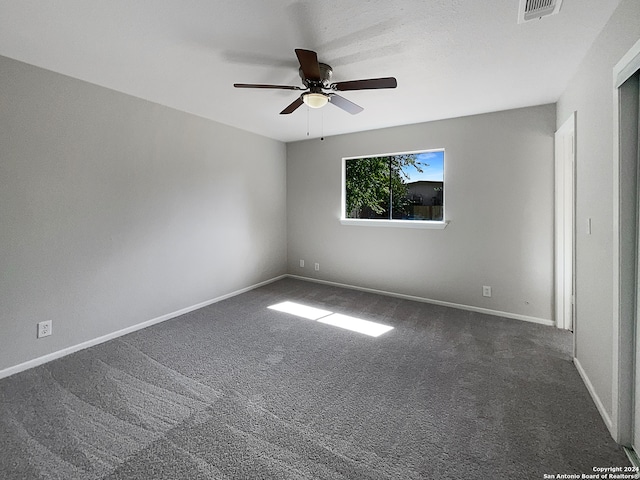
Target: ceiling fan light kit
315 100
316 78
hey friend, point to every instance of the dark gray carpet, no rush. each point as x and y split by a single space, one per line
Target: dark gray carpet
238 391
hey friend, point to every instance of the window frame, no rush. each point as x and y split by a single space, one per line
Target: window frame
398 223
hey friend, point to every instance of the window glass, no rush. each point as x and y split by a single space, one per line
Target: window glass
403 186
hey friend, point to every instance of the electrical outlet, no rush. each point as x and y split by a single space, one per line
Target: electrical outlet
317 267
486 291
301 263
45 328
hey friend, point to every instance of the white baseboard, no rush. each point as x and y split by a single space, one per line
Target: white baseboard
596 399
497 313
90 343
632 456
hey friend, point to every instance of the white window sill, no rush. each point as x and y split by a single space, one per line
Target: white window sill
437 225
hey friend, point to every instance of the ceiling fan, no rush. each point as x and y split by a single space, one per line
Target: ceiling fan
318 91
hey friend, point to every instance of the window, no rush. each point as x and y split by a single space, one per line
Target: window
395 187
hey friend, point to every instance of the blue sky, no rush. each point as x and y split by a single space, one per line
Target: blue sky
434 172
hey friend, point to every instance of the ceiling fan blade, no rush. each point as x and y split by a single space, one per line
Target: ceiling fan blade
344 104
260 85
368 84
309 63
295 104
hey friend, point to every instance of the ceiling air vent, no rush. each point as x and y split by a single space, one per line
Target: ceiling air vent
535 9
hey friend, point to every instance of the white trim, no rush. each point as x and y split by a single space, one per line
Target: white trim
391 223
391 154
365 222
632 456
627 66
110 336
621 360
497 313
563 276
594 396
617 358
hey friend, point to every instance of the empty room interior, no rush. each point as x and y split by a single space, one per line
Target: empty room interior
304 240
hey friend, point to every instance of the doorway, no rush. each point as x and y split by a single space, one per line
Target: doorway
565 153
626 160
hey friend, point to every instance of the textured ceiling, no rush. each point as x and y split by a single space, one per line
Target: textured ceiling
451 57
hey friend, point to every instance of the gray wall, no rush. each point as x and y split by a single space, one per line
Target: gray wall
590 94
114 210
498 197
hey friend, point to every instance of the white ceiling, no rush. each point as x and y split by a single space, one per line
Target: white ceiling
451 57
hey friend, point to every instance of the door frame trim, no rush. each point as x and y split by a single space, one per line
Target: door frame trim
623 328
567 128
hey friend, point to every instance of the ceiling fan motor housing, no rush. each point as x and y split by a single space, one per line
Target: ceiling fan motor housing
325 77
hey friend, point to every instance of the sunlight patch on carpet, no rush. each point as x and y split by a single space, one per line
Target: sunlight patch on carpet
354 324
300 310
359 325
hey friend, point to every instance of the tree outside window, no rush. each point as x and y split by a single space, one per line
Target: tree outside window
404 186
